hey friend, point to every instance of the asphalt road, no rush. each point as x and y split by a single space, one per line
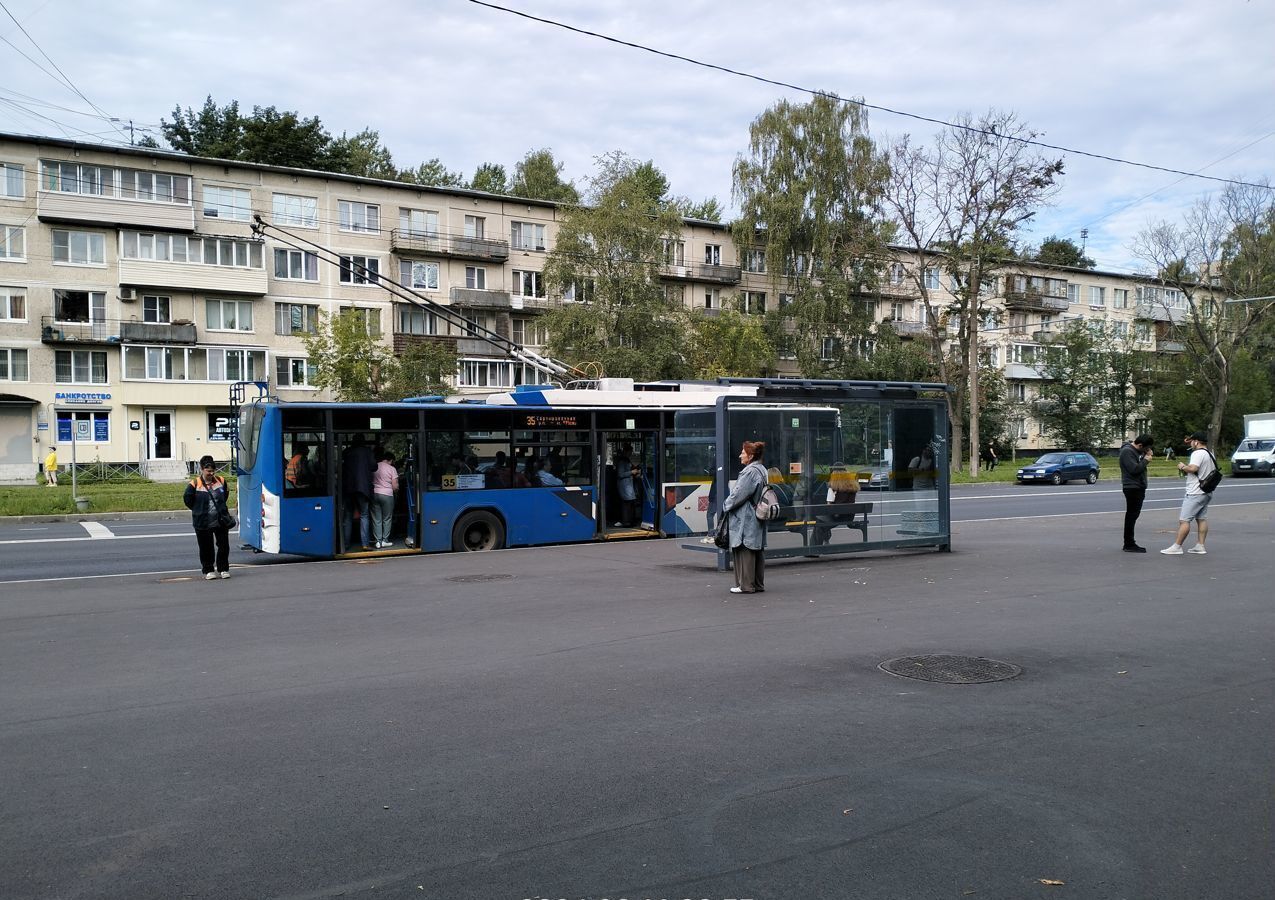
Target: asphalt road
607 721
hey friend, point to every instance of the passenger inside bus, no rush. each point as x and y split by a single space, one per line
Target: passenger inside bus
297 473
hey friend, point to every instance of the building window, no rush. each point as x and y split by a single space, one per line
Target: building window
1021 430
1120 330
364 218
295 265
529 332
73 178
526 236
1142 331
475 227
227 203
371 318
712 254
712 298
295 318
898 311
496 373
13 365
12 181
84 427
754 302
79 248
13 242
674 253
994 356
1024 354
79 306
13 304
79 366
476 278
236 365
1046 323
755 261
414 320
360 269
294 372
897 274
580 293
419 276
1120 298
155 187
1097 296
829 348
225 252
1018 391
289 209
418 222
157 309
229 315
528 284
1073 293
932 278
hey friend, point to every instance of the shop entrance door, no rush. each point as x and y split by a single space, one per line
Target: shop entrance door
159 433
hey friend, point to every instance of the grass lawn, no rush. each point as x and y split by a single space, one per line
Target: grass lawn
104 497
1006 470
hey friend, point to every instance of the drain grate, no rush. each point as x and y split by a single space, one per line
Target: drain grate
474 579
951 669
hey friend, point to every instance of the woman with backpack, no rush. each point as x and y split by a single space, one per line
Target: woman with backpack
747 532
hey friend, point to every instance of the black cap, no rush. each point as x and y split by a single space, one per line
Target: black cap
1201 436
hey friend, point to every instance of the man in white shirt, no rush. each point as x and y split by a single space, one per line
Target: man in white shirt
1195 504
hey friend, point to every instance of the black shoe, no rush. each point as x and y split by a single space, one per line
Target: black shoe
1134 548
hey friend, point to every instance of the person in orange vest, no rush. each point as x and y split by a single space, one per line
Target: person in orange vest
206 498
297 473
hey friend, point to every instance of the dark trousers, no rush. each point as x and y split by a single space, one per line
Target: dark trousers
750 569
221 563
1133 498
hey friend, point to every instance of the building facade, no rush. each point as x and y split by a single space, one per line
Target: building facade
133 293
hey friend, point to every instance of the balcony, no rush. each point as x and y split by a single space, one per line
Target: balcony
472 298
103 331
915 329
100 209
460 345
702 272
179 332
1157 311
1022 372
190 276
1034 301
1170 346
1047 336
423 243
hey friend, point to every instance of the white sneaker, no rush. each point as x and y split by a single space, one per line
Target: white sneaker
1175 550
211 576
225 574
1198 548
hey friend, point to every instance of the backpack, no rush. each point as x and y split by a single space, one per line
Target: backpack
768 505
1209 482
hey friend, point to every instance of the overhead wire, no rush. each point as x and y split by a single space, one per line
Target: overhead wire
739 73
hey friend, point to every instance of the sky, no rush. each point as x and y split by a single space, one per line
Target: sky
1181 85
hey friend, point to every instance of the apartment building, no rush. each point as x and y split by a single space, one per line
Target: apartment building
133 292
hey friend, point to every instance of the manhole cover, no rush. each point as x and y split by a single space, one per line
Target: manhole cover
951 669
471 579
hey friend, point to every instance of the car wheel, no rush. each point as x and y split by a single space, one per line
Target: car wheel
478 530
1092 478
1057 479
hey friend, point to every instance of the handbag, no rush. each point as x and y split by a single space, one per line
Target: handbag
226 520
722 536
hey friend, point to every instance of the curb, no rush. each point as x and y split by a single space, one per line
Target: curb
97 517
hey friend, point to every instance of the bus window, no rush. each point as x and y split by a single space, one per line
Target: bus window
304 468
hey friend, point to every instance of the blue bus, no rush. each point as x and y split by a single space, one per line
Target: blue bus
539 465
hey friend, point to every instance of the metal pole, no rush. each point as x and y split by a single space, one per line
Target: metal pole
75 491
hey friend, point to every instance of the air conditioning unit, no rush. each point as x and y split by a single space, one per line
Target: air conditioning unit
128 294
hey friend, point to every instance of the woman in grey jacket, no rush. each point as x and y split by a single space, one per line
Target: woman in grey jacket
747 532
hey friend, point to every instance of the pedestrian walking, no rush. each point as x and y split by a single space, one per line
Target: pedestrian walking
991 458
1195 504
206 497
1134 456
51 468
747 532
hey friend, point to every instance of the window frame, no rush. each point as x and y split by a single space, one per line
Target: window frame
8 355
6 243
91 357
7 178
280 202
309 316
407 269
305 257
308 370
348 222
160 300
71 234
348 269
238 212
7 293
221 303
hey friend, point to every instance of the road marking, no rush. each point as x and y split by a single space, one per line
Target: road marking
92 577
114 537
97 530
1016 495
1100 512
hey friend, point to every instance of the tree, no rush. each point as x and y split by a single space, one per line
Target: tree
363 154
807 190
1217 260
960 204
1072 398
213 131
357 367
490 177
1179 405
1056 251
539 177
608 256
707 210
284 139
432 174
728 344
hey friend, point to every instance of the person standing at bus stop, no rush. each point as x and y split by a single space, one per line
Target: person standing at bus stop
747 532
1134 457
206 498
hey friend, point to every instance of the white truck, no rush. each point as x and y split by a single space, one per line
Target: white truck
1255 455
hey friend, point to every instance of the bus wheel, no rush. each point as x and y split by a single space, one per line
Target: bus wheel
478 530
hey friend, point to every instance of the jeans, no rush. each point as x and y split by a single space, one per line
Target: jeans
359 502
208 561
1133 498
382 517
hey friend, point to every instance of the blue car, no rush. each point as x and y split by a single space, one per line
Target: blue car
1059 468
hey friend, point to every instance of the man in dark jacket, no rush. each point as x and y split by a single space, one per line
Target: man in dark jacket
1134 456
357 465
